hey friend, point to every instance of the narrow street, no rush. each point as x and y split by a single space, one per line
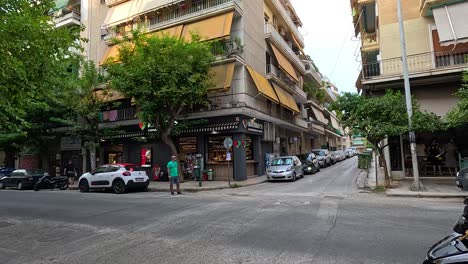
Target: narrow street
322 218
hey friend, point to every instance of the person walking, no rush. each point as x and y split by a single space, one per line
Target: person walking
173 172
451 157
435 156
70 172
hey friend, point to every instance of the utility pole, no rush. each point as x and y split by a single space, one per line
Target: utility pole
409 107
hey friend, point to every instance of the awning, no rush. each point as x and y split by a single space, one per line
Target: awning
222 76
121 13
334 122
112 52
319 115
263 85
284 63
109 96
286 99
451 23
149 5
172 31
216 27
59 4
211 128
301 47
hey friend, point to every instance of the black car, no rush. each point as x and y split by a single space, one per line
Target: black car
310 164
22 179
462 179
5 171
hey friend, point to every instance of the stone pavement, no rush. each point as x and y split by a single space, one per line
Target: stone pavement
434 187
192 186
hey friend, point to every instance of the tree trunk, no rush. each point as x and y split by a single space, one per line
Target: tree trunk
92 156
384 162
167 139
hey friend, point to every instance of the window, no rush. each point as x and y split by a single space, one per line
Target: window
101 169
216 149
282 161
133 168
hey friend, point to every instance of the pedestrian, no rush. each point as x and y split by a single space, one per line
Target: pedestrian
451 156
173 172
435 156
70 172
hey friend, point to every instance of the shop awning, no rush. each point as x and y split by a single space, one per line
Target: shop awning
109 96
284 63
451 23
222 76
211 128
216 27
172 31
121 13
319 115
263 86
286 99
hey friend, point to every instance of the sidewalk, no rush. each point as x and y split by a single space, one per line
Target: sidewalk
433 188
192 186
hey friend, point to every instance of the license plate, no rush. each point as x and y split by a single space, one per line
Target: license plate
139 179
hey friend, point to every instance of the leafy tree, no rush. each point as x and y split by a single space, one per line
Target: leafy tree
35 58
377 118
314 92
459 115
165 75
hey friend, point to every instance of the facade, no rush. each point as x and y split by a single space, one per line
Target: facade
258 100
437 49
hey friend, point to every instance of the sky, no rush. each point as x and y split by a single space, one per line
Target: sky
329 40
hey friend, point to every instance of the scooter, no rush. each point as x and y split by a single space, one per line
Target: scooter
45 182
453 248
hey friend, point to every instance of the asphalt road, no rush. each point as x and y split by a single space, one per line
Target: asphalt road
320 219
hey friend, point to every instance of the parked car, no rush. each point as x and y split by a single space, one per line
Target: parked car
118 177
5 171
22 178
285 168
333 157
341 154
310 164
462 179
338 156
323 157
349 153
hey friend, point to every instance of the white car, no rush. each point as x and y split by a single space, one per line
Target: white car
118 177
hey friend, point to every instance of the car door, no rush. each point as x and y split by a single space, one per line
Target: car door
98 177
110 174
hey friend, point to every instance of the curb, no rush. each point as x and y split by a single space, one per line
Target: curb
426 195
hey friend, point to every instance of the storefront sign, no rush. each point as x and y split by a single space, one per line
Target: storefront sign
70 143
227 143
252 126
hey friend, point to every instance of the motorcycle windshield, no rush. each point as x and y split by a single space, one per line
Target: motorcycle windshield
449 246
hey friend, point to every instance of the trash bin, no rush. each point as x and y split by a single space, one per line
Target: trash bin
210 174
364 160
196 173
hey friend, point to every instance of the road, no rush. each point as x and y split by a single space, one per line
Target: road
320 219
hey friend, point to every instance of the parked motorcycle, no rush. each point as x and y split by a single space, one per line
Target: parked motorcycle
45 182
453 248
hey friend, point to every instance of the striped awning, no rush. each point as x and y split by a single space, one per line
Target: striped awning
130 135
211 128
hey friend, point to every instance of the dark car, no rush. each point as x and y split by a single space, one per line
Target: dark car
309 162
22 179
462 179
5 171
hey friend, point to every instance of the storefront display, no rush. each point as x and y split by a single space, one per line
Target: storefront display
188 145
216 150
146 157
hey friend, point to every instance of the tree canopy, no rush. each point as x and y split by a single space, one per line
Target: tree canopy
459 115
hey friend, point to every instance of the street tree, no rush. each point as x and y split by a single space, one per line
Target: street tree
165 75
377 118
35 58
459 115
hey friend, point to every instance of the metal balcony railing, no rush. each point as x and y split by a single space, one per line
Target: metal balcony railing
271 31
285 79
119 114
419 63
65 15
225 48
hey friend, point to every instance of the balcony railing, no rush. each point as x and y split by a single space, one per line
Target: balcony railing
119 114
369 40
226 48
66 18
288 19
271 31
420 63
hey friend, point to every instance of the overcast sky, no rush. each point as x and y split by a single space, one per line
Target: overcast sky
328 33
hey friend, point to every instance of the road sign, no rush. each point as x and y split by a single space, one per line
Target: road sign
228 143
228 156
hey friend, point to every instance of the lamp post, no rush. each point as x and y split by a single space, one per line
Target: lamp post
409 107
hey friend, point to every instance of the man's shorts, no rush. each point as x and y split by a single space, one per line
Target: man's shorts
175 180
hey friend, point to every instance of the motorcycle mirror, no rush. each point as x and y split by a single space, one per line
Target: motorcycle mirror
466 201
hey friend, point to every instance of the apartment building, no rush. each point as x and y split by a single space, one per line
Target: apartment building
258 99
436 40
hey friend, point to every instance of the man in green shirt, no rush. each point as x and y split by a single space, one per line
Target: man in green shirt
173 172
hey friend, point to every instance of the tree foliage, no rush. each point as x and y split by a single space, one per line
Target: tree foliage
459 115
35 58
164 75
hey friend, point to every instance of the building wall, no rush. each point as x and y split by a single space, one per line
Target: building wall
436 98
93 14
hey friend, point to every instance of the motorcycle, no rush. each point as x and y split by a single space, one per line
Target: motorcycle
453 248
45 182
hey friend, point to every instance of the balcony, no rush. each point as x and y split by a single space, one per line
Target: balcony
225 49
119 115
67 18
313 74
301 122
369 41
285 14
425 63
275 38
174 16
110 3
283 80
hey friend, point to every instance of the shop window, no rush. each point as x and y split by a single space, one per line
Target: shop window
216 150
248 148
188 145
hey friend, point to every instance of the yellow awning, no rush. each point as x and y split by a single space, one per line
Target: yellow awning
301 47
286 99
109 96
222 76
284 63
216 27
121 13
319 115
172 31
112 52
335 122
263 85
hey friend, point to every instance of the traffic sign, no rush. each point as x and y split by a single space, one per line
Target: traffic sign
228 143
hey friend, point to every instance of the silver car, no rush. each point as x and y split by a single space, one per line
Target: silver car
323 157
285 168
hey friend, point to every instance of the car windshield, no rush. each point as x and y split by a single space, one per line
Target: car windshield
282 161
319 152
133 168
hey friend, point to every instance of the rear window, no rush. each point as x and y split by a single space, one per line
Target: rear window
18 173
319 152
282 161
133 168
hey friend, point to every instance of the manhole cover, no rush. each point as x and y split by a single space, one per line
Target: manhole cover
5 224
291 203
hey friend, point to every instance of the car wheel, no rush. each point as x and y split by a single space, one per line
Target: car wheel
19 186
83 186
294 177
63 186
118 186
